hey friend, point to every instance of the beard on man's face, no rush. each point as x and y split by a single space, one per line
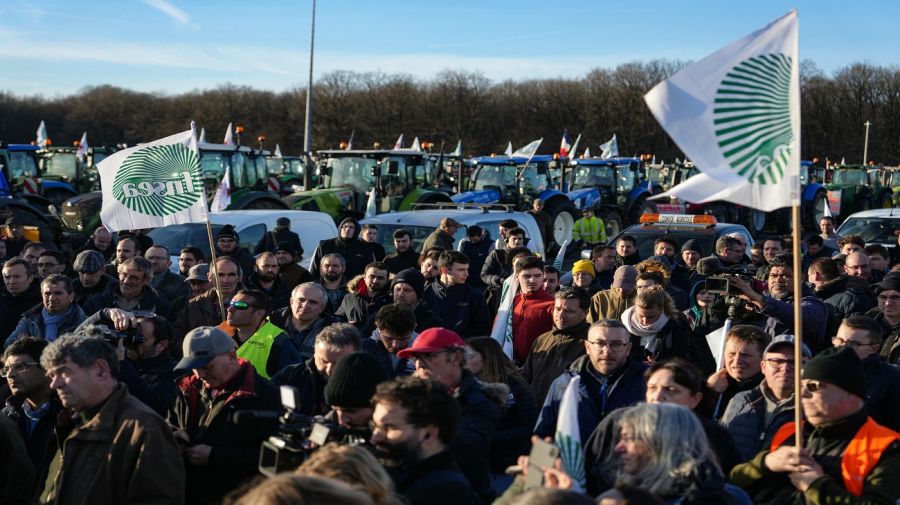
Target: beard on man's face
397 454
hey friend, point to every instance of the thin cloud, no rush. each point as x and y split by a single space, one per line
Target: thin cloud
175 13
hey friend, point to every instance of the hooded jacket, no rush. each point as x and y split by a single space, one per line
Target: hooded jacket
358 304
357 254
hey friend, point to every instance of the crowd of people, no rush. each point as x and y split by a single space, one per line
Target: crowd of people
126 383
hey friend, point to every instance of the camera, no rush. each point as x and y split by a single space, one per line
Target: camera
130 337
298 435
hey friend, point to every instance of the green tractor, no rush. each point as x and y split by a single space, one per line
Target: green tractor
854 188
64 176
400 178
288 171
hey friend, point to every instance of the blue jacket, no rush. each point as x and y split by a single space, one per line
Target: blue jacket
815 318
32 324
626 388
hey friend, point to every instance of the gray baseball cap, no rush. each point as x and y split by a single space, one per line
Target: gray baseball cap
198 272
201 345
786 340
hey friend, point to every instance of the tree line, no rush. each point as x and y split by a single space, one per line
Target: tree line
458 105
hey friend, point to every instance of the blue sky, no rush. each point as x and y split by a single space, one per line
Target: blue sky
55 47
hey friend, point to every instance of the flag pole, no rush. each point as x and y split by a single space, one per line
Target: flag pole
212 245
798 325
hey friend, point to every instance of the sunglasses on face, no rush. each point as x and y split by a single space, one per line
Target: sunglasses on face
239 305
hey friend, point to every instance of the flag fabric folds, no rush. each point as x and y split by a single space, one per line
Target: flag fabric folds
153 185
561 255
502 329
371 207
42 138
610 149
574 150
350 141
509 149
458 151
202 139
587 152
81 153
229 136
399 143
736 115
568 436
222 198
415 145
278 151
565 145
529 150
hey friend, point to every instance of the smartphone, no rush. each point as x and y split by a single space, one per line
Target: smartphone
542 456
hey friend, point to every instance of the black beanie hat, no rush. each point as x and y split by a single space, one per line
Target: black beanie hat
227 231
412 277
839 366
891 282
692 245
352 383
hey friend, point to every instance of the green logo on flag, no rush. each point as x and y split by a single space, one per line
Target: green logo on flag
159 180
752 117
572 455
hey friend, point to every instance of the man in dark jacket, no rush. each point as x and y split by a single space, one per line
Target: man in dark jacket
407 288
556 349
56 315
405 255
365 296
394 331
753 417
741 369
888 316
844 294
167 283
610 379
281 233
442 236
228 244
133 292
305 317
477 248
310 377
369 235
91 279
120 451
101 241
22 292
204 310
219 454
356 253
440 356
461 307
626 251
414 421
863 335
266 278
33 406
544 222
146 367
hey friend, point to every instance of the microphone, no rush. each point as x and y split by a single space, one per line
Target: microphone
710 265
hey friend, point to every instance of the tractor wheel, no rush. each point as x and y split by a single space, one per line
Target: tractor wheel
815 211
640 207
563 213
754 220
613 222
58 197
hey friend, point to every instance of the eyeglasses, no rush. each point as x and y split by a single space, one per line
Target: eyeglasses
612 346
889 298
838 341
387 428
239 305
813 386
17 368
779 362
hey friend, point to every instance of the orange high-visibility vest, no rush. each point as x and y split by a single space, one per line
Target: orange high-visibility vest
861 455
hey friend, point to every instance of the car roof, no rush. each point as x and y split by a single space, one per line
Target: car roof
432 217
660 229
883 213
605 162
511 160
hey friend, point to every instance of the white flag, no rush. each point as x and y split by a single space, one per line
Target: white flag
371 207
561 255
587 153
153 185
42 135
81 153
529 150
222 198
415 145
458 151
278 151
399 143
229 136
502 330
202 139
574 152
350 141
736 115
509 149
568 435
610 149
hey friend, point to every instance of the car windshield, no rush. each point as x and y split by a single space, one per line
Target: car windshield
63 165
586 176
626 178
22 164
534 181
295 167
355 172
213 164
850 177
877 230
496 176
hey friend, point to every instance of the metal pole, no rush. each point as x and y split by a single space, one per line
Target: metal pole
798 326
307 141
866 144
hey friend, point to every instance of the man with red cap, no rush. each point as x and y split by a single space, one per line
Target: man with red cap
440 356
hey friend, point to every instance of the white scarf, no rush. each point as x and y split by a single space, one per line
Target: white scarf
636 328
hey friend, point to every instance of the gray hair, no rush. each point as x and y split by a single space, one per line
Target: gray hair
676 443
139 262
334 256
312 285
83 351
340 335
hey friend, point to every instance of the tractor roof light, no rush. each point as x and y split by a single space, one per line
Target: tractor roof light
239 129
678 219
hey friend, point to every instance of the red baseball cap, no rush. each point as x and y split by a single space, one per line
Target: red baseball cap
432 340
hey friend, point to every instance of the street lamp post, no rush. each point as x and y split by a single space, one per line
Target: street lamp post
866 144
307 140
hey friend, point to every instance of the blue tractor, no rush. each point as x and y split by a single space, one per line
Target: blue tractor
616 188
518 182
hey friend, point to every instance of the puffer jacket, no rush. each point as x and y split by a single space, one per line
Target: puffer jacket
359 303
745 420
32 323
847 295
105 460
